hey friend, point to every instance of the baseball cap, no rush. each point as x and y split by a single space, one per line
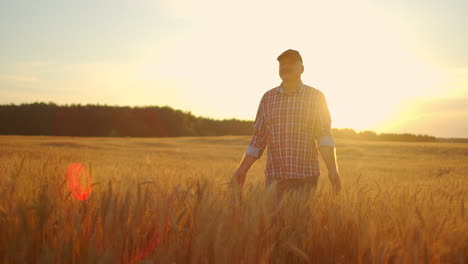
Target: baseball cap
290 54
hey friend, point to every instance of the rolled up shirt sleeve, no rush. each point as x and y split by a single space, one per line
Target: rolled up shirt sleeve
323 133
258 142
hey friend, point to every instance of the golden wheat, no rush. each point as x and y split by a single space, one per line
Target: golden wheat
165 200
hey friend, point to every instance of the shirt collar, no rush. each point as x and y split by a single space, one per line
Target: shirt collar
295 91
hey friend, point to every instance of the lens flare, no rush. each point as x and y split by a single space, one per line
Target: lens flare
153 240
150 246
79 181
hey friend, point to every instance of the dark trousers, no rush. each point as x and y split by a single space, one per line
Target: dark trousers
302 188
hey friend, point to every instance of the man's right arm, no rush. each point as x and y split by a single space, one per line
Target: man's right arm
241 172
255 149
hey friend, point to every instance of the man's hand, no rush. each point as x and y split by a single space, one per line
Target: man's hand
335 180
329 157
239 177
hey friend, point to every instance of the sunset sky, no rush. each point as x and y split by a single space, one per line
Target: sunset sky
387 66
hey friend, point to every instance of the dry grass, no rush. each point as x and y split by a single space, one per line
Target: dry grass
165 201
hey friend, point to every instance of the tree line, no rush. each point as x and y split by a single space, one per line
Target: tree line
112 121
149 121
373 136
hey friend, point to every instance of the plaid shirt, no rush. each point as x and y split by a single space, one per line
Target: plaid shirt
290 123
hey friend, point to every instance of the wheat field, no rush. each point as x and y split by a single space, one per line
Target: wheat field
168 200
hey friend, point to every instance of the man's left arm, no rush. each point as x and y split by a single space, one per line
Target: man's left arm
329 157
326 143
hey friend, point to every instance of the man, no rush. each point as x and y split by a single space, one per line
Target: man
292 120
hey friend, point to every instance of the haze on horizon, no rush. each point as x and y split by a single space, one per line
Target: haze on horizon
385 66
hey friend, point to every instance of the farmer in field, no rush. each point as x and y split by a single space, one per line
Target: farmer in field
293 120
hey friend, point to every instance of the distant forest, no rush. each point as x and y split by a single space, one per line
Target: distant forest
149 121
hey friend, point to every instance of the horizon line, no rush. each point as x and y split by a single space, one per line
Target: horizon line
206 117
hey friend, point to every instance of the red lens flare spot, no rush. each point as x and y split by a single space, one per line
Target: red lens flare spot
79 181
153 240
152 243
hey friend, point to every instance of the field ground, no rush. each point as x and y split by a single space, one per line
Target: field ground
165 200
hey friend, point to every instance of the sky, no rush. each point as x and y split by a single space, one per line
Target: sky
388 66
